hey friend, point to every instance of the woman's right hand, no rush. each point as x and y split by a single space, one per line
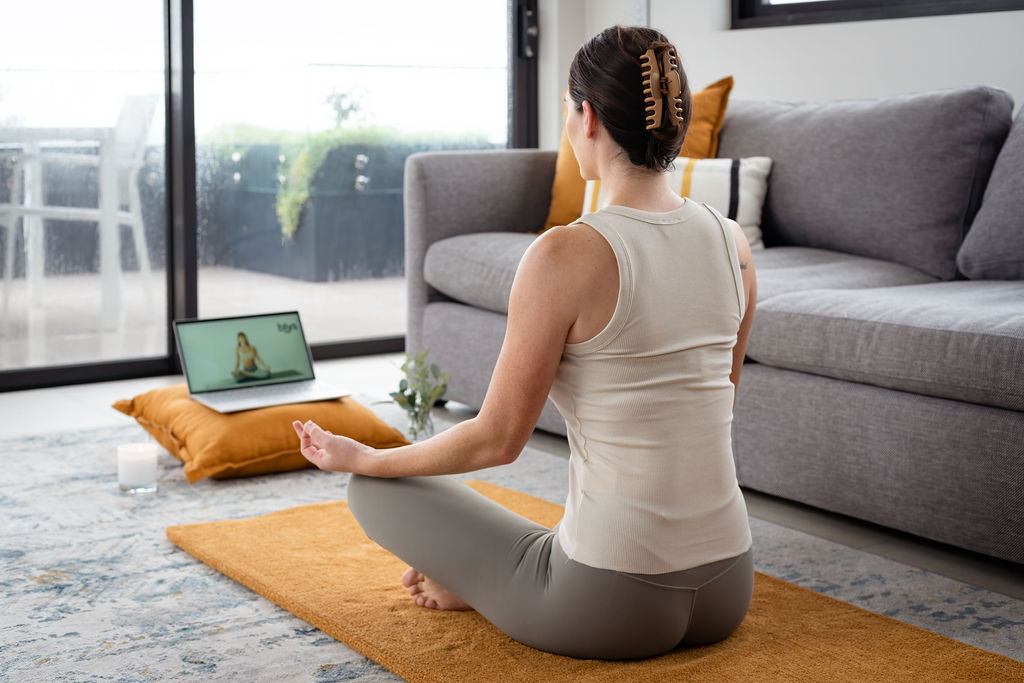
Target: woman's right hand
329 451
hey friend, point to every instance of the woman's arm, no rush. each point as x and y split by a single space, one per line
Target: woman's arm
238 359
746 259
548 294
256 357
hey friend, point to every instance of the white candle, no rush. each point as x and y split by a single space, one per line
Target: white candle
136 467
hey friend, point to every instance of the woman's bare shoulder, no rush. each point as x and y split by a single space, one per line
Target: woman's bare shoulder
577 239
568 256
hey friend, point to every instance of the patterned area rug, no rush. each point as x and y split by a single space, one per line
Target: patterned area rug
92 588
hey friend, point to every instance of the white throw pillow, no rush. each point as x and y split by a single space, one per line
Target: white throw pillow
734 187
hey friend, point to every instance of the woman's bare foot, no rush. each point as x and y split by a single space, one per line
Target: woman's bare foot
427 593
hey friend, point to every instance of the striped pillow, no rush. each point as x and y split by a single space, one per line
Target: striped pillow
734 187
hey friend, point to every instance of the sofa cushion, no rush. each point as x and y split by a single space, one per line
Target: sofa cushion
961 340
791 269
994 247
476 269
895 178
946 470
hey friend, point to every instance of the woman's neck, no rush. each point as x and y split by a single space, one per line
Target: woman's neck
624 184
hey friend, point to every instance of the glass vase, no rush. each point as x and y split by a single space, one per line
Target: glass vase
421 426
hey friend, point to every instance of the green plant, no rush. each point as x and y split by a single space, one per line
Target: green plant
417 393
294 193
302 163
300 168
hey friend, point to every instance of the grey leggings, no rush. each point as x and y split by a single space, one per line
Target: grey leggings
513 572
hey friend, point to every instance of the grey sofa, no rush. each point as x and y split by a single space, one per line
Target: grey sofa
885 371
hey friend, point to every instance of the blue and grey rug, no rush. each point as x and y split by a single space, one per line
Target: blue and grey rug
91 588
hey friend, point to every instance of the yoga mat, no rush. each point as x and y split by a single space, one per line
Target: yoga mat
315 562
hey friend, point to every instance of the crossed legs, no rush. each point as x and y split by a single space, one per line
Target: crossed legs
479 555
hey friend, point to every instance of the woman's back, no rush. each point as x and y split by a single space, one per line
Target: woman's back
648 400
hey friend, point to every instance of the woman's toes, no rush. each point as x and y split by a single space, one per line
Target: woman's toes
411 578
429 594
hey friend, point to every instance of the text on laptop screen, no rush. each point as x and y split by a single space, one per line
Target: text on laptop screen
238 352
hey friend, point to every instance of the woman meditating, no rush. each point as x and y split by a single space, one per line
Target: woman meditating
246 359
634 320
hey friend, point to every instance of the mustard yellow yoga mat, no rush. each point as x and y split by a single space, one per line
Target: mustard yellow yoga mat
315 562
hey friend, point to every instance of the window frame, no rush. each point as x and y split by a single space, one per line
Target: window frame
759 14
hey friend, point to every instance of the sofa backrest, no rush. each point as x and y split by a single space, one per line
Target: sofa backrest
894 178
994 246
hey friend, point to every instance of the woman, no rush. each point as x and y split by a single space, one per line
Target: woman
246 359
635 319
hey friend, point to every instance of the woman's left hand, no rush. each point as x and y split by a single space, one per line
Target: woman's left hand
329 451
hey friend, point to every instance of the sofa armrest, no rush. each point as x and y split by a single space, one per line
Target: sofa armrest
458 193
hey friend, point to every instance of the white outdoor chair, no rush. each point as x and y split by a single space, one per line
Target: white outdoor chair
119 154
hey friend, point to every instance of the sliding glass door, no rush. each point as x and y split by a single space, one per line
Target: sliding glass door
166 159
304 120
82 197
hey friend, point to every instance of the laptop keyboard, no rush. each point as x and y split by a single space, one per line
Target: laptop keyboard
268 391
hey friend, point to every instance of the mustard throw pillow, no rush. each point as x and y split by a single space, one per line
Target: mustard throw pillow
701 143
251 442
706 121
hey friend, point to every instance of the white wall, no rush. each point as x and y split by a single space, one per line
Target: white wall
561 33
564 26
815 62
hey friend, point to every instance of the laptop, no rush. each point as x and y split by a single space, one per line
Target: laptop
247 362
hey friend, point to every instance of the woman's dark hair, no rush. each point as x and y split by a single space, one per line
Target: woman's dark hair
607 72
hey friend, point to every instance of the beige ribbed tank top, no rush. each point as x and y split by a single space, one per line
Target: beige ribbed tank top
648 402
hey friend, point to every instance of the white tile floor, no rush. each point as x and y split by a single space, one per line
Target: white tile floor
88 407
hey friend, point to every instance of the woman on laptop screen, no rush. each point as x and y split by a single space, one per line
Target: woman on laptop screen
246 359
634 319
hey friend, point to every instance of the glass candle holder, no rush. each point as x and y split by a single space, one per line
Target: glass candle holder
136 468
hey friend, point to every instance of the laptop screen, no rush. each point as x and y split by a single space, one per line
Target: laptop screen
231 353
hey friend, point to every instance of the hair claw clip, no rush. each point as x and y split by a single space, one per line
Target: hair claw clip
652 89
671 84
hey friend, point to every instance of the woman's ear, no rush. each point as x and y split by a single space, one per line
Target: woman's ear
590 120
